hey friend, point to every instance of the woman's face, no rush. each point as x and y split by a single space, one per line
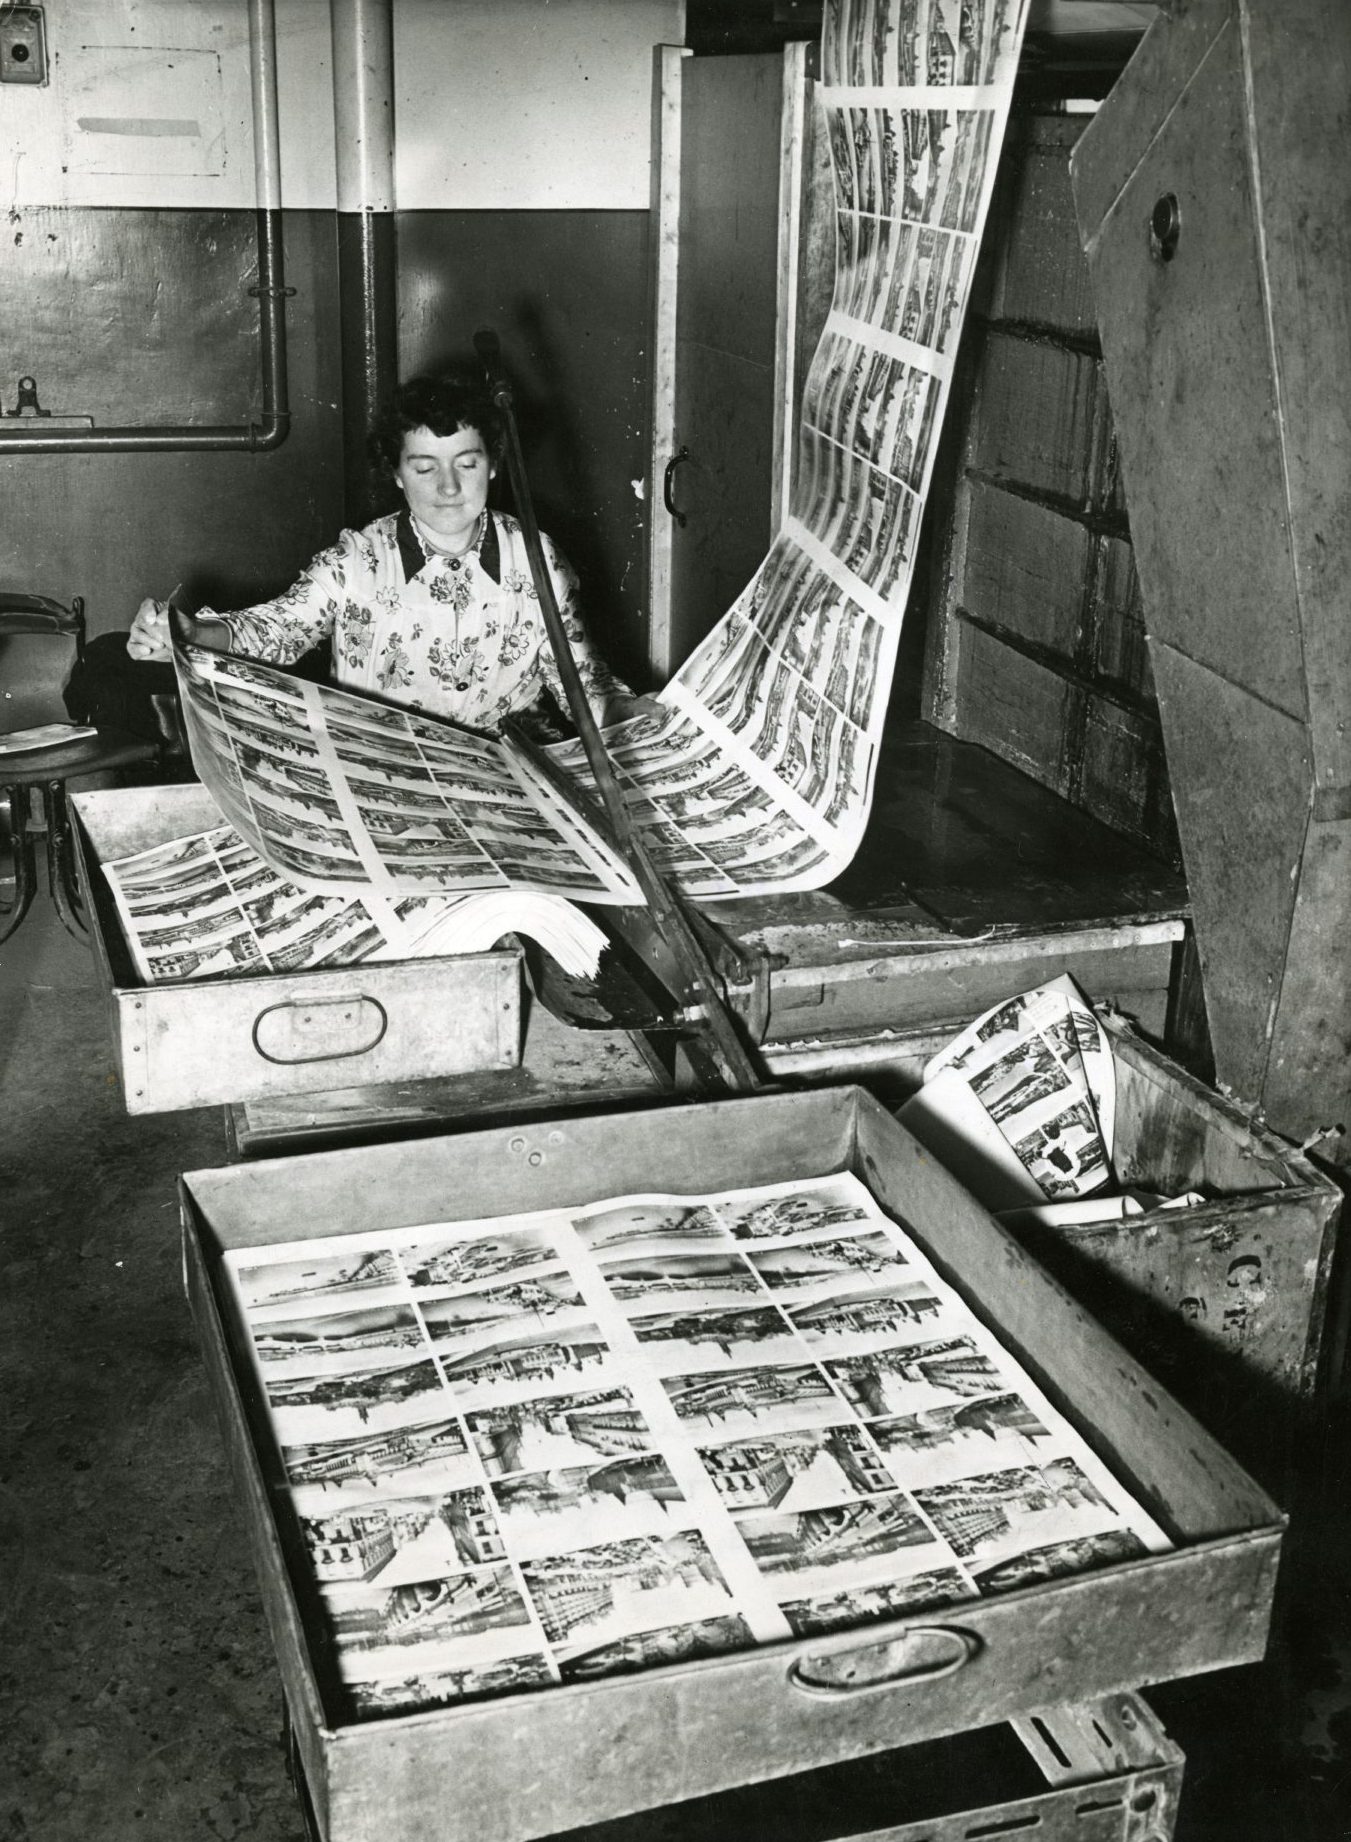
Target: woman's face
445 481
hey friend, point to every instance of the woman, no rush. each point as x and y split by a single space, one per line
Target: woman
432 607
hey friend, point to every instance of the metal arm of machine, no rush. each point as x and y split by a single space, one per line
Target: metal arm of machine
696 982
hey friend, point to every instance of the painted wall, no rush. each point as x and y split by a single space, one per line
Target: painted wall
500 104
522 185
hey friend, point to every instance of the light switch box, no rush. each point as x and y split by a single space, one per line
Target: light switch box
23 45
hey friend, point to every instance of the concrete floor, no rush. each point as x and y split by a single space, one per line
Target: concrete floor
138 1694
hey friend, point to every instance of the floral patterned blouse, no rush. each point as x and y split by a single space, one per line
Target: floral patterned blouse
460 637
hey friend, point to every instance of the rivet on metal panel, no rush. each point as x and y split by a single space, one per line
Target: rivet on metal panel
536 1157
135 1048
516 1144
1126 1715
555 1137
137 1005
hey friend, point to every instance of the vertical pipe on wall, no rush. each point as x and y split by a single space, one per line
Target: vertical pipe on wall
271 289
363 118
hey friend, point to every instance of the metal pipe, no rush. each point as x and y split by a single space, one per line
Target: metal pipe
20 436
363 125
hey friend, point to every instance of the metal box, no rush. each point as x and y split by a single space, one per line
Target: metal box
1230 1301
1096 1771
210 1041
537 1763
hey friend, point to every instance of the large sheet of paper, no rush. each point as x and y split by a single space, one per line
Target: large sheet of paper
542 1448
757 775
207 906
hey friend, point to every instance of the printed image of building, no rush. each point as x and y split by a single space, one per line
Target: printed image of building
759 1473
793 1215
571 1590
374 1455
343 1334
722 1329
783 1268
362 1390
867 1604
463 1261
555 1492
294 1279
989 1417
673 1644
465 1603
828 1537
525 1361
351 1547
537 1299
469 1517
842 1316
607 1423
506 1677
751 1391
1109 1548
953 1364
710 1273
980 1510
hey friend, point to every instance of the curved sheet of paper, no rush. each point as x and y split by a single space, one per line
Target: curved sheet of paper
759 778
758 774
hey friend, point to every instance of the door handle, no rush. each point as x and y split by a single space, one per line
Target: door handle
668 482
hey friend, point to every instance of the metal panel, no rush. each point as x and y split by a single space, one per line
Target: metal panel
726 336
1241 792
1308 1086
1227 366
1189 369
1299 77
672 1733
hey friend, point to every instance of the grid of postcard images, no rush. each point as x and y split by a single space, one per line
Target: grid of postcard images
757 775
540 1449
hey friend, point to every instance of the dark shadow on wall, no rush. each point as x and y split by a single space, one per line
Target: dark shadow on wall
566 293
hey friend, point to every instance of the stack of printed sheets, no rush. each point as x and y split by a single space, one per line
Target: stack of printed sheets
543 1448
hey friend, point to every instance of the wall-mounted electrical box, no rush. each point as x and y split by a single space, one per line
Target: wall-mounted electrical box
23 45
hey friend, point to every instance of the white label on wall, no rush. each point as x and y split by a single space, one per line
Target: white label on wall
141 110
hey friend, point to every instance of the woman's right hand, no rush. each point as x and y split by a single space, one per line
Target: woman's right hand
149 637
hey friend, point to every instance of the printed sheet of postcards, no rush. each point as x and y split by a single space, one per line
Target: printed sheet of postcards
544 1448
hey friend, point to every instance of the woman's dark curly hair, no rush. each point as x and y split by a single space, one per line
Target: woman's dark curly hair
443 404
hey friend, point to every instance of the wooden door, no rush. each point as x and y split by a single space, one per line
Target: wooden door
727 170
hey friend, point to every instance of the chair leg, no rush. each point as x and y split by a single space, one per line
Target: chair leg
25 876
61 861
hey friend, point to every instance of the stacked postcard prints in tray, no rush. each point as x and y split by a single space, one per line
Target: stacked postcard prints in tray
208 906
551 1447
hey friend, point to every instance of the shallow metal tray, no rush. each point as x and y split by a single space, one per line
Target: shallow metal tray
534 1764
212 1041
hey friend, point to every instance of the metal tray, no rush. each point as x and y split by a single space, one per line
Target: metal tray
211 1041
534 1764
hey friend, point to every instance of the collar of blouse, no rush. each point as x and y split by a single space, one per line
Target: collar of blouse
414 555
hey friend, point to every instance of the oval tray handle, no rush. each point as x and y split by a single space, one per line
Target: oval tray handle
923 1653
319 1029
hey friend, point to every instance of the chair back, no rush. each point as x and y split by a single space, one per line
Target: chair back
40 640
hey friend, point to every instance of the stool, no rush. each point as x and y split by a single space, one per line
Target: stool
40 641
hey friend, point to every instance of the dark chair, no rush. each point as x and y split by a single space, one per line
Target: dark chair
40 643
